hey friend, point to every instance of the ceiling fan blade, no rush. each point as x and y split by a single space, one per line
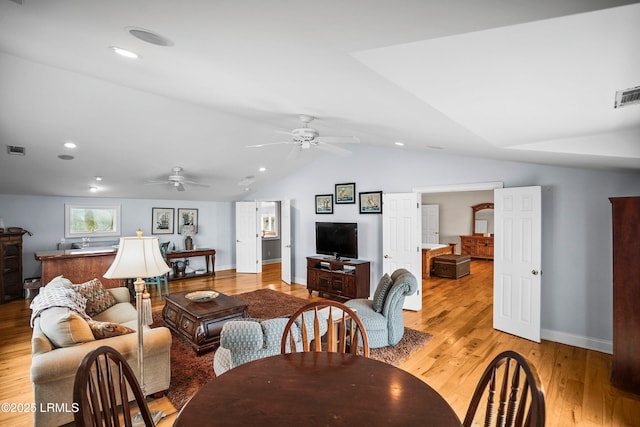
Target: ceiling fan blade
284 132
333 149
179 187
339 139
151 181
196 184
294 152
267 144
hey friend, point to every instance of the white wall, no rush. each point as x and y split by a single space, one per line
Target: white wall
44 217
576 223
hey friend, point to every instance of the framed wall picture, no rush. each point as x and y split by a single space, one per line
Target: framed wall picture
371 202
162 220
91 221
324 204
345 193
187 221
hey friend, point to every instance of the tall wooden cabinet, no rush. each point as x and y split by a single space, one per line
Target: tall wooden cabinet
10 266
625 367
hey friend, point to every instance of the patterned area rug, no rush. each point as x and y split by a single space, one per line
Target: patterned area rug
189 371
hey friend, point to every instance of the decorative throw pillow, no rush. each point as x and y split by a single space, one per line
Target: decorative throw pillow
98 298
64 327
381 293
103 330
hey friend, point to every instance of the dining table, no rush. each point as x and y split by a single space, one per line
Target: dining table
317 389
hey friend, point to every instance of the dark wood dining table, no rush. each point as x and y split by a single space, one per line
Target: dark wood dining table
316 389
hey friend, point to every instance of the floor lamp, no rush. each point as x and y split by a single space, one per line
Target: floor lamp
139 257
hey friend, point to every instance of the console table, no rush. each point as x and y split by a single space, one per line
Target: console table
209 258
342 278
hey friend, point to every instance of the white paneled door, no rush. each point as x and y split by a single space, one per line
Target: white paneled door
430 223
285 240
517 262
248 242
401 232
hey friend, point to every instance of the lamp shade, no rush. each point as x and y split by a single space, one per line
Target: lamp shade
137 257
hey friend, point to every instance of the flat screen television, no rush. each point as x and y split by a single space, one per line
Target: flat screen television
338 239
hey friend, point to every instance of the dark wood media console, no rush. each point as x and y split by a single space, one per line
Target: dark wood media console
341 278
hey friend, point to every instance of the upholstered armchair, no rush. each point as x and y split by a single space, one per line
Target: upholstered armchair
382 316
244 340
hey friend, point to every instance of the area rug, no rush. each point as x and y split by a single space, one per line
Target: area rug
189 371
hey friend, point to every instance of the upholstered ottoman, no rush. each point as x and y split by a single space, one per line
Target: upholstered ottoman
452 266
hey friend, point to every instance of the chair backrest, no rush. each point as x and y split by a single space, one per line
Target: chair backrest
344 330
510 393
164 248
101 389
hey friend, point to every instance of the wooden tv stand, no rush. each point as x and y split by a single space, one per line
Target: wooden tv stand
329 275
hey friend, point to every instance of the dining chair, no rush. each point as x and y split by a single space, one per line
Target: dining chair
101 389
158 281
345 332
520 395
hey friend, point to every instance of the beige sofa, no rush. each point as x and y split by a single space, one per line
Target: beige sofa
53 368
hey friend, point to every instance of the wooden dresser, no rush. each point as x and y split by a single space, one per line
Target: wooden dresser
625 366
477 246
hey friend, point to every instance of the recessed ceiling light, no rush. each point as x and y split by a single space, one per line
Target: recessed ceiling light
262 169
93 189
124 52
399 144
65 157
98 178
70 144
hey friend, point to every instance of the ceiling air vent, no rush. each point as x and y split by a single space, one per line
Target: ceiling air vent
16 150
627 97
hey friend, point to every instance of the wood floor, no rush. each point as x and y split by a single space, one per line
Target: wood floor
458 313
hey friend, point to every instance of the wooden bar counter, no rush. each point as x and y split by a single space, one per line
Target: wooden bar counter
78 265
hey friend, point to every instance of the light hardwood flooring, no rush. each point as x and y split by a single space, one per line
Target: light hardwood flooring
458 313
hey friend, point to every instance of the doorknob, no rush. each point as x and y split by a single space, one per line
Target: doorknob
387 256
534 272
237 241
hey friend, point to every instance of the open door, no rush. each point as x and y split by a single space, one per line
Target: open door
285 240
248 243
517 262
401 233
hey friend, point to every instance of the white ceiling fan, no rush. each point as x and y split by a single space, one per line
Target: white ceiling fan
177 180
306 137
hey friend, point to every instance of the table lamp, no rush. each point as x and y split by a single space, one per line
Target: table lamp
139 257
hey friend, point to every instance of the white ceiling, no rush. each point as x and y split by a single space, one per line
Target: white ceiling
516 80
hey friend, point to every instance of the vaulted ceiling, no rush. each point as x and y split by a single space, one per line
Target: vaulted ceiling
515 80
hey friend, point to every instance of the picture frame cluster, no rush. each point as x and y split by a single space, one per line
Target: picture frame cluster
163 221
370 202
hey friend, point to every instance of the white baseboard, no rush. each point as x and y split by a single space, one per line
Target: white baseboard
589 343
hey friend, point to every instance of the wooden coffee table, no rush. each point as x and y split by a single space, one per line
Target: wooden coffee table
201 322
